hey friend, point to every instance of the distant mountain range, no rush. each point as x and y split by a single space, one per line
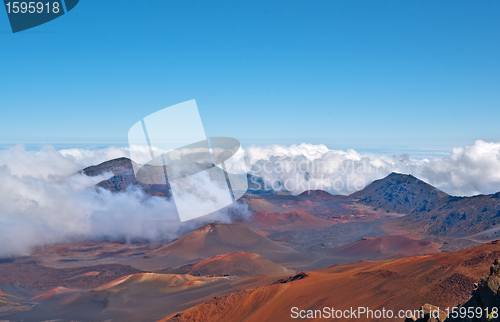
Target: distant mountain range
428 209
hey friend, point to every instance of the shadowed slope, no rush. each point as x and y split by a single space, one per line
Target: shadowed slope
137 297
458 216
319 195
400 193
292 220
123 177
11 303
430 210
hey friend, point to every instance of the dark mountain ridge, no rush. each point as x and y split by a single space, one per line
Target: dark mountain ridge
401 193
430 210
123 171
124 177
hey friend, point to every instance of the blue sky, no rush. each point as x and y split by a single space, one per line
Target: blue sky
349 74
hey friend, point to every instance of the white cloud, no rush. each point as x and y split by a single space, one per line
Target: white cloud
44 200
466 171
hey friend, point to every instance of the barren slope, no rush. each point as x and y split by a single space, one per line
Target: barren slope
217 239
443 279
240 264
291 220
388 247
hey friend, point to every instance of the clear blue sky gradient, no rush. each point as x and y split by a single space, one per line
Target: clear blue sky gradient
348 74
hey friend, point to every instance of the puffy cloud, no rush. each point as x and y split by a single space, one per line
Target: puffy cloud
466 171
44 199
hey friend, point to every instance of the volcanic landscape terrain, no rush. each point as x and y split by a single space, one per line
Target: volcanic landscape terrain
399 242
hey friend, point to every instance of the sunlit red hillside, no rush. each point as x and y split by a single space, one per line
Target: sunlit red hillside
240 264
217 239
444 279
388 247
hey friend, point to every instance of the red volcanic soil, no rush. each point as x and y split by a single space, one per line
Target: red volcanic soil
320 204
240 264
55 292
165 282
292 220
388 247
216 239
443 279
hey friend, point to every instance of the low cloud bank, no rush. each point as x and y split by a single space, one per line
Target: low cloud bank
44 199
466 171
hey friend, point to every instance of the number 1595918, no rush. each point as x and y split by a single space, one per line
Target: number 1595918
32 7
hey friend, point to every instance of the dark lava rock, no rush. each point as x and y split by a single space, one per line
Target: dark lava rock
482 306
